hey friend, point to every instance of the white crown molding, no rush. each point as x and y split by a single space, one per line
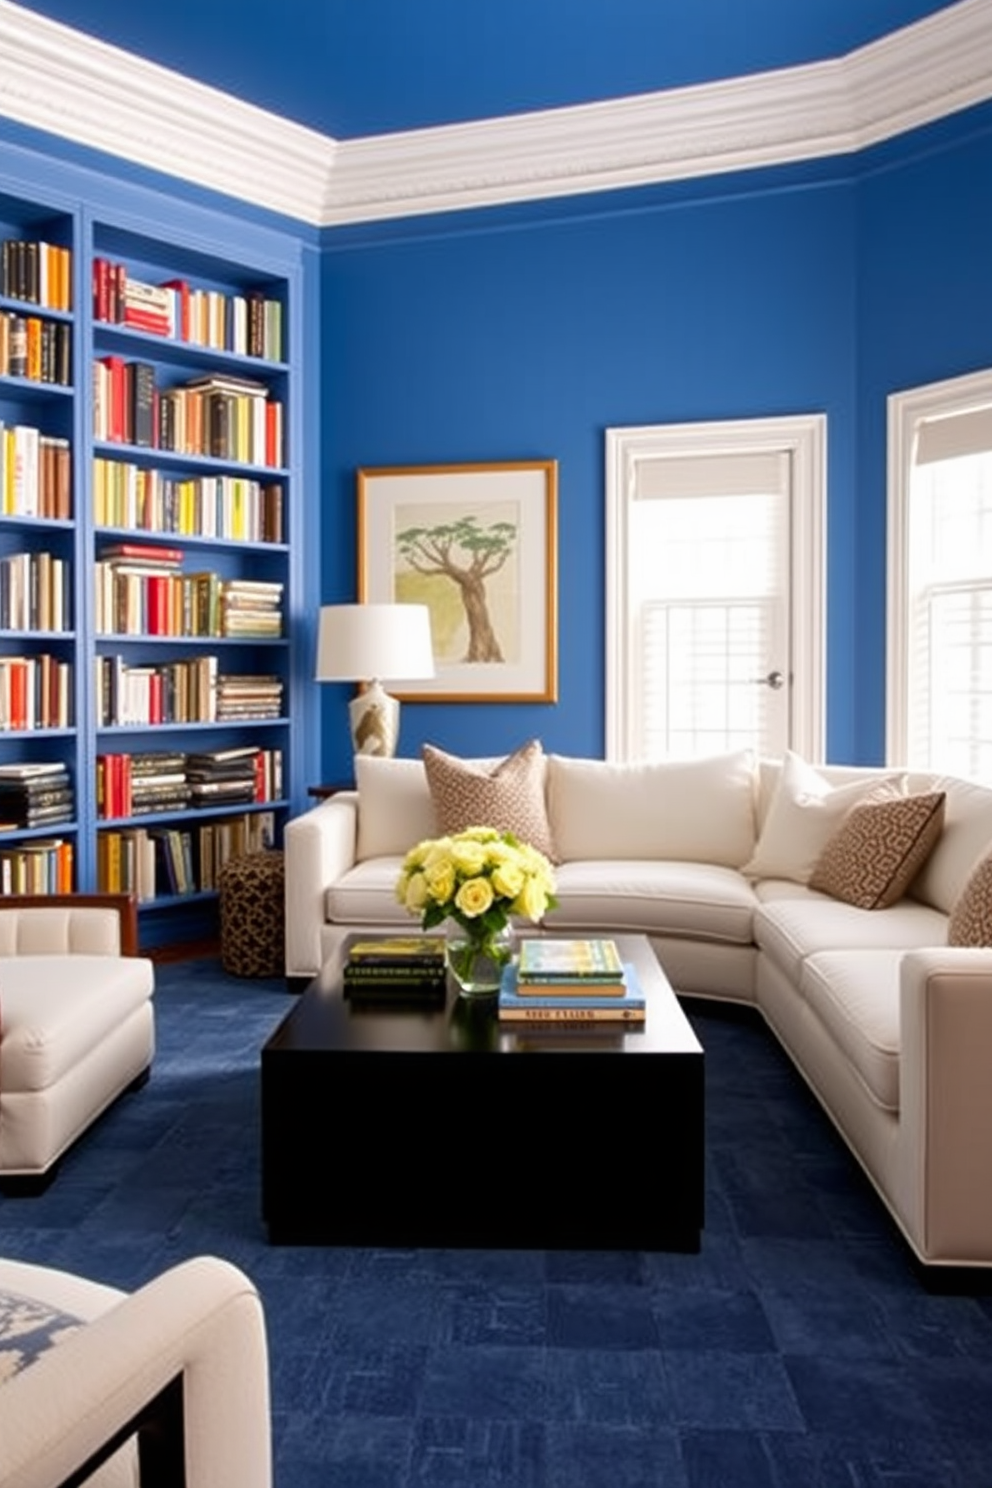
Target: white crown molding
56 79
64 82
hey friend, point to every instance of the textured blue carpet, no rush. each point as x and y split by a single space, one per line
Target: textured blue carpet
798 1349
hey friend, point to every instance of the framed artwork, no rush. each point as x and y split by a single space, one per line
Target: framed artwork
477 544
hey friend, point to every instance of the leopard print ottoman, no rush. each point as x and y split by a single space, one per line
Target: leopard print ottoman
252 915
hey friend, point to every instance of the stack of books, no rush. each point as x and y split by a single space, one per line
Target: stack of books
35 795
571 981
409 968
248 695
222 777
251 607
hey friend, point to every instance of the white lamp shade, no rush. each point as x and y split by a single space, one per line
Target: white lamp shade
363 642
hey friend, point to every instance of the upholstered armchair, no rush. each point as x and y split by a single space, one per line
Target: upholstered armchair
76 1022
166 1387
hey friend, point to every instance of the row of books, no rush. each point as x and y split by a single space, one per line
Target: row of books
35 795
35 473
35 692
44 865
157 862
154 598
249 324
161 781
38 349
190 690
34 592
230 506
570 981
36 271
223 417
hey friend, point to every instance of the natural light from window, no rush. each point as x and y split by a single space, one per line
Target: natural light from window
940 578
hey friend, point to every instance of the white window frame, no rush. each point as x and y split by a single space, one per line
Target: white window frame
803 438
953 395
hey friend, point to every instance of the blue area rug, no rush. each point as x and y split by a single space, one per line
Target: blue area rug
797 1350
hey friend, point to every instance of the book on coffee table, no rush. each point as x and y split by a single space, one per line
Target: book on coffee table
408 968
554 1005
578 966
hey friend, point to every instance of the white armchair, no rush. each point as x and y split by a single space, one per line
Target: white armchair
76 1022
166 1387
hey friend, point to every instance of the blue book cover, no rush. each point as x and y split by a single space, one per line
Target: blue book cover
631 1005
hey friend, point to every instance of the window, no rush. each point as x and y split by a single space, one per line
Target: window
940 578
713 588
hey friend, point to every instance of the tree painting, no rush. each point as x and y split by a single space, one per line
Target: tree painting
464 554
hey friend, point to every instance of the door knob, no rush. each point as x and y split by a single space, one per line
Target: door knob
774 680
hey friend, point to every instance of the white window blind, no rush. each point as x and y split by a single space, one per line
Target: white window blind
709 554
946 619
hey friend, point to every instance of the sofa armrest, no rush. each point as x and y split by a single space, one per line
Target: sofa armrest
200 1322
319 848
69 924
945 1099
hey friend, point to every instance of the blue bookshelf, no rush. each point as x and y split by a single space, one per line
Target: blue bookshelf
178 514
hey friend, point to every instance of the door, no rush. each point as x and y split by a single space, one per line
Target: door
703 599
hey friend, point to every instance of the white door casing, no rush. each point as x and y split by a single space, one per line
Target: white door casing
728 668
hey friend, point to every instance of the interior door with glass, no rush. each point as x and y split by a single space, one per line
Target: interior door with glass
709 586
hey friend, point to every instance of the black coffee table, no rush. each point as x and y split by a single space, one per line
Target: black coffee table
441 1127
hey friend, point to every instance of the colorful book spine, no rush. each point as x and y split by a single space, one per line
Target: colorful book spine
551 1007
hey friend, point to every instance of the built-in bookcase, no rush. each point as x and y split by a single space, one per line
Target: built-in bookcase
151 502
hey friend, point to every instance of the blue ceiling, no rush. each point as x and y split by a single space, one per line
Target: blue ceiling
360 67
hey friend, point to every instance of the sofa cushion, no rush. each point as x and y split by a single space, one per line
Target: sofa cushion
507 795
804 811
696 901
878 849
697 811
966 838
970 923
855 994
790 929
29 1327
46 1032
366 895
395 809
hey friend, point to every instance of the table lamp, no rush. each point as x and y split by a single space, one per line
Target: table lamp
364 643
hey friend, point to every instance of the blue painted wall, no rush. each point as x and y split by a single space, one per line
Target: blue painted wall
521 341
925 313
525 333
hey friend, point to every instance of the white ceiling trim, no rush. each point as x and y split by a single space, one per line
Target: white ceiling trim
56 79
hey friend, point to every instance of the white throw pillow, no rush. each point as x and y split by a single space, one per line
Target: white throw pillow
803 814
696 811
395 809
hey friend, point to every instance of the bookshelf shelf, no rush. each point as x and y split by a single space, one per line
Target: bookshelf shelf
211 310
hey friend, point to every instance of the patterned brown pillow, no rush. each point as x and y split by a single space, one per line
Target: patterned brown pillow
878 849
971 917
508 796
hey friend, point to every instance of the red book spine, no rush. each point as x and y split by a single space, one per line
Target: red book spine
156 588
155 698
273 432
101 289
146 320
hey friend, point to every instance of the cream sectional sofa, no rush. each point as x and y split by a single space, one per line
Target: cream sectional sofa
889 1024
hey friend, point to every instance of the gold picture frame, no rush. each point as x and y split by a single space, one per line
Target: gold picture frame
478 545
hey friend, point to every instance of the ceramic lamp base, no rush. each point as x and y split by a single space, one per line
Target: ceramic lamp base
375 721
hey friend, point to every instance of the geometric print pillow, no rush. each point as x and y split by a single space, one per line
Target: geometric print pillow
878 849
508 796
27 1328
971 917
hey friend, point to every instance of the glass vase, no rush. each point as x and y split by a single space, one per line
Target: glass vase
476 961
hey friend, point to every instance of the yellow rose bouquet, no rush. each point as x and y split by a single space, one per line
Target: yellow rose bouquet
480 879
